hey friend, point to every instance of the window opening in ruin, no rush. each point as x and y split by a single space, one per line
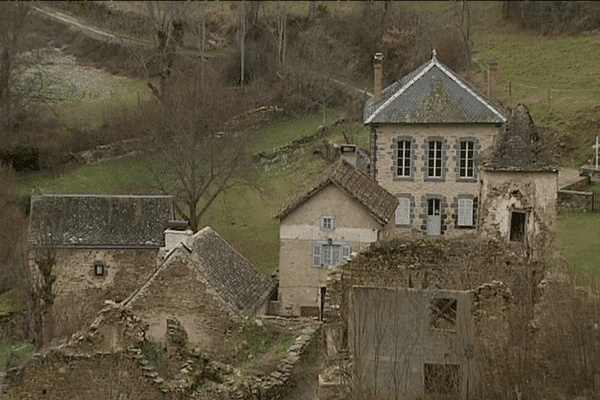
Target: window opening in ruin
403 158
518 222
441 379
99 268
443 314
434 169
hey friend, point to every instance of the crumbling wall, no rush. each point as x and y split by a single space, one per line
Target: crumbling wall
58 376
180 291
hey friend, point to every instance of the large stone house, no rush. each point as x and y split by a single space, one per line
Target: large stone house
341 211
104 247
431 135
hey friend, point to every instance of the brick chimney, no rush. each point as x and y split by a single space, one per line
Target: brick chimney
378 75
178 232
493 81
348 153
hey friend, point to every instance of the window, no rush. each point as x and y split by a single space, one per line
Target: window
443 314
466 157
434 159
403 211
99 268
403 156
465 212
327 253
327 224
518 222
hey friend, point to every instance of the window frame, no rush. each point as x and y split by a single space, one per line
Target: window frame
398 160
459 169
442 158
99 268
329 248
327 223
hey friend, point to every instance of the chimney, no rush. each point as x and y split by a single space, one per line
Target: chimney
178 232
493 81
348 152
378 75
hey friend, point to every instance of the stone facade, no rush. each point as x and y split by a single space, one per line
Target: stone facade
532 194
418 187
300 282
178 290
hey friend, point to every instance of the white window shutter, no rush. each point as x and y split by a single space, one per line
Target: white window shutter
345 252
317 255
335 255
465 212
326 255
403 211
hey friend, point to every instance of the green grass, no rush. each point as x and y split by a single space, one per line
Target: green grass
579 238
19 351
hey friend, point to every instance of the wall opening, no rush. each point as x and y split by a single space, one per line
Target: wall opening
518 222
441 380
309 311
322 301
443 314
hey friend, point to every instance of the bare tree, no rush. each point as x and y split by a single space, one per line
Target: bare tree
41 293
202 156
12 20
279 35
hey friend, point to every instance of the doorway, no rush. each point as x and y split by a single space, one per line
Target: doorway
434 217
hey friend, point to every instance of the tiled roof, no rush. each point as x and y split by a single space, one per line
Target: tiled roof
432 94
518 146
98 221
378 201
238 282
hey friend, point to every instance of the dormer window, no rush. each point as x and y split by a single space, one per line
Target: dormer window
328 224
99 268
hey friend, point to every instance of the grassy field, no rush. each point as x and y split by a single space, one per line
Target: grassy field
241 217
579 238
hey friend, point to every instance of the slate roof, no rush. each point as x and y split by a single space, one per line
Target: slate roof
99 221
432 94
356 184
238 282
518 146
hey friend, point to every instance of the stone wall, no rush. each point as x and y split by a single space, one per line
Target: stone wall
179 291
570 200
80 294
59 376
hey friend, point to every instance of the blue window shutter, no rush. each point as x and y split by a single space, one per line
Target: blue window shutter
335 255
345 252
403 211
465 212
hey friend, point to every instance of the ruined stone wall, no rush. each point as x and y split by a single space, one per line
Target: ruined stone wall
59 376
532 192
418 185
180 291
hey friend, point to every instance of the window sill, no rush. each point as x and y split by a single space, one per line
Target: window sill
403 179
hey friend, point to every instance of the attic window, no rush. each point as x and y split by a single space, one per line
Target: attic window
99 268
443 314
327 224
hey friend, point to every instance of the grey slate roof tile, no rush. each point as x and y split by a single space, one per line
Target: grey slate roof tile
237 281
432 94
99 221
518 146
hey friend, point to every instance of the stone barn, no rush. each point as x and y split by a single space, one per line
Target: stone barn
104 248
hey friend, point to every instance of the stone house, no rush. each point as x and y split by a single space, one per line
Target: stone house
341 211
205 284
105 247
428 131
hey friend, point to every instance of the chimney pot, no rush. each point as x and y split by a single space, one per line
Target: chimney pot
378 75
